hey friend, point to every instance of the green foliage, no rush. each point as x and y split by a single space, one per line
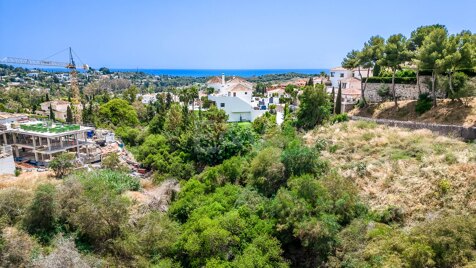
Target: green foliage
69 115
424 103
13 204
384 91
111 161
267 171
264 123
62 164
299 160
42 215
117 113
114 180
338 118
314 108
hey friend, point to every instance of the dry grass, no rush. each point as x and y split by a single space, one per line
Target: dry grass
418 171
447 112
27 180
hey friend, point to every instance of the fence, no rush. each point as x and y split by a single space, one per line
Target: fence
466 133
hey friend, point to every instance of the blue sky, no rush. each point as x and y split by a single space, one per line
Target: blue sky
213 34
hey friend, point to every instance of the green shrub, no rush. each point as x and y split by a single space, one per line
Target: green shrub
384 91
299 160
42 214
116 180
424 103
337 118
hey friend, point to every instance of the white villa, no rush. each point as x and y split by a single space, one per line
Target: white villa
340 73
235 97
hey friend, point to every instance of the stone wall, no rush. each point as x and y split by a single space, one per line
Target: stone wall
404 91
466 133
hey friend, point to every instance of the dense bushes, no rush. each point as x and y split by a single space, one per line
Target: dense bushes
424 103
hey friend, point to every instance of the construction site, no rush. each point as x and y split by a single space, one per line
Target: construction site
29 144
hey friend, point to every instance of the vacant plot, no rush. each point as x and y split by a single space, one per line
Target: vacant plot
416 171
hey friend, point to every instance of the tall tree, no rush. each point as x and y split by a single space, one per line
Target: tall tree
368 57
310 82
52 114
69 115
415 42
430 54
338 104
458 55
315 107
395 53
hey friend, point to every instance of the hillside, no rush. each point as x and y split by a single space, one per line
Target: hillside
421 173
447 112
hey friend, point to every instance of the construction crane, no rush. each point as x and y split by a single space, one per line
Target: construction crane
71 65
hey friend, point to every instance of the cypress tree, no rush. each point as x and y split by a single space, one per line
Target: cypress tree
333 99
52 114
310 82
338 109
69 115
47 97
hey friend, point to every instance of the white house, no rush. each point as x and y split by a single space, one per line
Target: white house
235 98
340 73
149 98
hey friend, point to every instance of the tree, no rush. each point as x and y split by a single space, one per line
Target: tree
130 94
415 42
368 57
338 104
52 114
458 54
310 82
69 115
62 164
292 91
315 107
118 113
429 55
395 53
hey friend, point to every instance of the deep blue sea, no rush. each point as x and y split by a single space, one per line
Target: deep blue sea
206 72
227 72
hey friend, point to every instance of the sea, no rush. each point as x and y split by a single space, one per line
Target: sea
217 72
207 72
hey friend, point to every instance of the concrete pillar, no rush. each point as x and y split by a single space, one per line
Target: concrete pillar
5 138
14 135
34 148
49 144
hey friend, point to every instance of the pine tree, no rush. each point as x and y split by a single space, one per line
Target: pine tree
338 104
69 115
52 114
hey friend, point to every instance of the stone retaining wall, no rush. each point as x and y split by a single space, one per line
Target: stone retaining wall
466 133
404 91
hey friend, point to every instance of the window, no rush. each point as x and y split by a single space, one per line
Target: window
342 75
332 74
222 104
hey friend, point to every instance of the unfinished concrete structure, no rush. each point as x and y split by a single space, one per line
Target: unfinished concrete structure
39 142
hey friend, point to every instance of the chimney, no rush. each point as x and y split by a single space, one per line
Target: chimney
222 79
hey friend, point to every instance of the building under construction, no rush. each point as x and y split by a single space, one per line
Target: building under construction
38 142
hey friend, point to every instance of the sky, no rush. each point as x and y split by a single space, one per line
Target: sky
214 34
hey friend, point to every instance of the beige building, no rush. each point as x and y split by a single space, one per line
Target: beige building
59 108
